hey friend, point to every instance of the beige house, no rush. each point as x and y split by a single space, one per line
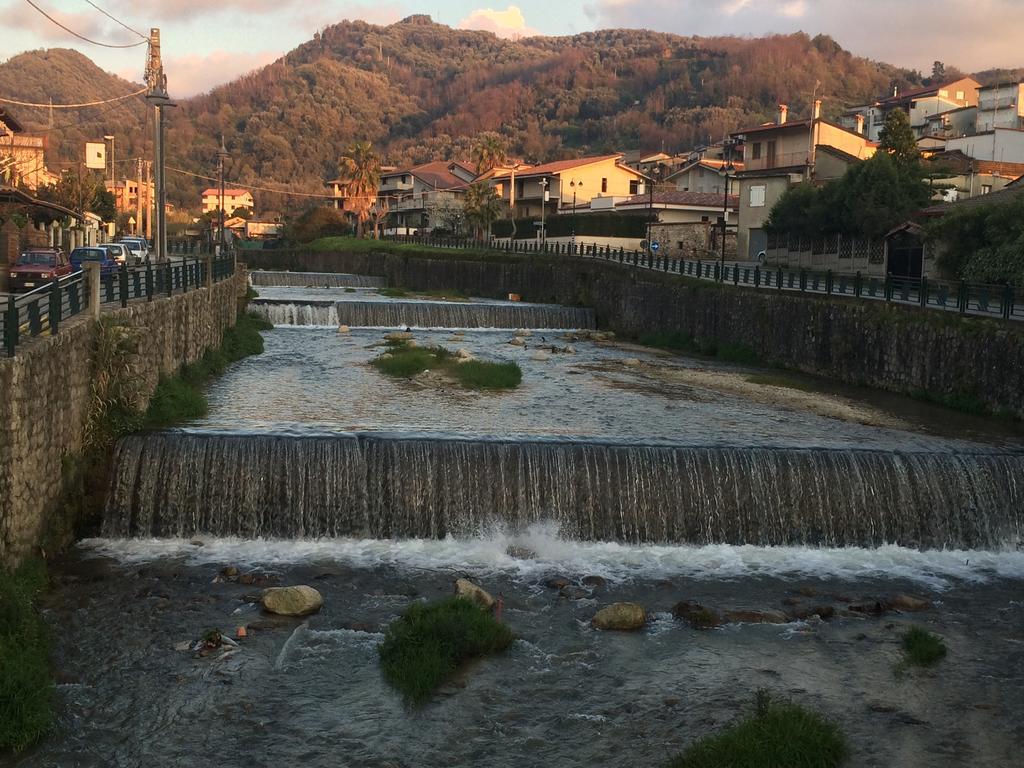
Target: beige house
919 104
22 158
778 155
425 197
563 184
703 176
233 200
1001 106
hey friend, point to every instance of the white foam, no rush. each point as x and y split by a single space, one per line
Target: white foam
615 562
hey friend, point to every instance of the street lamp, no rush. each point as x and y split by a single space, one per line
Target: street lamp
724 171
543 207
575 185
222 155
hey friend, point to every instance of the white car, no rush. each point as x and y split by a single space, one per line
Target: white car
139 247
120 252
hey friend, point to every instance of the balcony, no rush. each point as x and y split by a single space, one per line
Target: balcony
779 160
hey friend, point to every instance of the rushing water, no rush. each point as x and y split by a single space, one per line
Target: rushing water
314 280
381 487
424 314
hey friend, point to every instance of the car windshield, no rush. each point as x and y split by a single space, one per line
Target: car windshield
114 248
34 257
88 254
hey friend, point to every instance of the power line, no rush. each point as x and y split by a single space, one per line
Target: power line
83 37
117 20
73 106
258 189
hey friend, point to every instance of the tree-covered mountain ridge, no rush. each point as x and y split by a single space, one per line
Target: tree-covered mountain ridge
421 91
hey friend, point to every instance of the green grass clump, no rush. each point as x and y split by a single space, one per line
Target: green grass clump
677 341
423 648
921 648
26 683
777 734
963 401
781 380
404 361
480 374
393 293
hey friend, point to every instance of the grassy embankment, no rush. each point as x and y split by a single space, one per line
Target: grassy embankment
405 361
26 685
676 341
428 644
356 245
778 733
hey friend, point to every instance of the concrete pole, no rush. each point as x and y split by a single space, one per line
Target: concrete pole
92 277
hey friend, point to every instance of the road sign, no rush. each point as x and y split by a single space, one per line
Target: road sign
655 246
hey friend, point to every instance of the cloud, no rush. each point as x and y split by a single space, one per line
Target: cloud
911 33
508 23
193 74
20 16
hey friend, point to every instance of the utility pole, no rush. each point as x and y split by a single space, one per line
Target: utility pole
222 154
138 196
149 199
157 96
543 209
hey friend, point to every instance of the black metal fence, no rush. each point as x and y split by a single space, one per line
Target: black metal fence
43 310
995 301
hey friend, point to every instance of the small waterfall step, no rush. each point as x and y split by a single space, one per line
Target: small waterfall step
424 314
260 485
269 278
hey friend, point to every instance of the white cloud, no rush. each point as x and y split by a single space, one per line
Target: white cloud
507 23
193 74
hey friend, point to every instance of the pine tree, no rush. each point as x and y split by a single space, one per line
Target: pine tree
898 140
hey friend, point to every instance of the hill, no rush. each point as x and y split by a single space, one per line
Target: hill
420 90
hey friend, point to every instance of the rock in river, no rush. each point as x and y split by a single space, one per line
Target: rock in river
292 601
627 617
467 590
756 617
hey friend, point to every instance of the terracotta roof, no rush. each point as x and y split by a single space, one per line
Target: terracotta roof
437 175
559 166
675 197
961 163
1011 192
227 192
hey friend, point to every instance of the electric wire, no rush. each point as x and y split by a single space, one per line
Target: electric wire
83 37
117 20
73 106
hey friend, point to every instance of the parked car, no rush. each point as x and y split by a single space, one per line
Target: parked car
139 247
36 267
120 253
79 256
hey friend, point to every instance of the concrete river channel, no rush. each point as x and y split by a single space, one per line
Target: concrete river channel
661 477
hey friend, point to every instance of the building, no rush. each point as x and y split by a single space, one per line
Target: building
233 200
1000 145
951 124
263 230
959 177
683 224
563 184
918 103
778 155
22 158
1001 106
702 175
426 197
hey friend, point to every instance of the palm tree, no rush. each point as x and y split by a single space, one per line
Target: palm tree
488 152
361 169
482 207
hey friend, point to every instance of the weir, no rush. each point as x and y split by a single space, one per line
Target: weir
314 280
424 314
379 486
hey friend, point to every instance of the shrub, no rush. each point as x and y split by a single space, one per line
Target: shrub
480 374
26 685
429 642
921 648
777 734
404 361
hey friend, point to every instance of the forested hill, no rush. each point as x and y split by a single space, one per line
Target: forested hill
420 91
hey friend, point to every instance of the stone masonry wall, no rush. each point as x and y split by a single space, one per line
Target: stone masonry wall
891 347
45 392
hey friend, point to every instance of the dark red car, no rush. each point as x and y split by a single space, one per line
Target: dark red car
37 267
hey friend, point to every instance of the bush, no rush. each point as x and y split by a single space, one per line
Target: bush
921 648
317 223
26 685
480 374
429 642
404 361
777 734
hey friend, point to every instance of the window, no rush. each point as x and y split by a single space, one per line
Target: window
943 93
986 188
681 245
959 95
756 151
634 187
757 195
704 219
604 185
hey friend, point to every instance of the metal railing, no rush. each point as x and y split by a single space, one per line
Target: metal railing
994 301
42 311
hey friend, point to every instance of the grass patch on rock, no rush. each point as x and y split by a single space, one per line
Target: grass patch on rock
404 360
428 644
26 683
921 648
778 733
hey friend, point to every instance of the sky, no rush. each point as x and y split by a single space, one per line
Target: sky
206 44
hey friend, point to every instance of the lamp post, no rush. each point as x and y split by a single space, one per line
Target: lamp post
575 185
543 207
222 155
724 172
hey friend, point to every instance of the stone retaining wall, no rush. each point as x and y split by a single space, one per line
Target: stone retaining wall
891 347
45 393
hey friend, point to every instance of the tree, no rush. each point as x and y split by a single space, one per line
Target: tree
898 140
482 207
938 73
104 204
488 152
360 169
316 223
982 244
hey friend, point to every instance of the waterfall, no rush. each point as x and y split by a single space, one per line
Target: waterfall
175 484
313 313
314 280
426 314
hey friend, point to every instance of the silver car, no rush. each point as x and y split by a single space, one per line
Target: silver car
120 253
